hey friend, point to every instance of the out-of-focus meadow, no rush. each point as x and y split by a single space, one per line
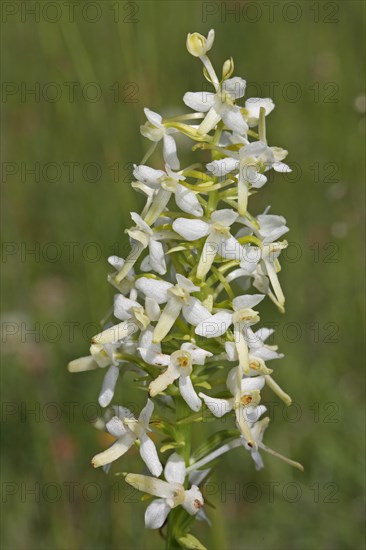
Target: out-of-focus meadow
79 131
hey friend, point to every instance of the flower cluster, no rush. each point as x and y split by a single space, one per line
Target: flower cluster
185 308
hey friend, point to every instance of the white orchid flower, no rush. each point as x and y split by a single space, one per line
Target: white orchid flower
245 401
242 317
151 353
219 105
177 298
180 368
155 130
143 236
219 239
100 356
127 429
165 184
253 159
257 430
171 492
134 317
257 346
257 364
271 228
126 285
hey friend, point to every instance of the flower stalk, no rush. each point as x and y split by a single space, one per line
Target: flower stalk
186 315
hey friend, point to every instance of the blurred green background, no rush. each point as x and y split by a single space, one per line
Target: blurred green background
92 71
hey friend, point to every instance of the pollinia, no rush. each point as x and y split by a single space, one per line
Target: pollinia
200 264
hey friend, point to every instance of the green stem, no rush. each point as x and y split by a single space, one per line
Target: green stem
183 435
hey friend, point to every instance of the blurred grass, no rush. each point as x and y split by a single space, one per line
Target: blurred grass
316 372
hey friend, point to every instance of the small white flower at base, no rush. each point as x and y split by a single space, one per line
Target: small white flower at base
171 492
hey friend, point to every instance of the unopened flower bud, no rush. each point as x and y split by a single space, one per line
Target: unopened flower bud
228 68
198 45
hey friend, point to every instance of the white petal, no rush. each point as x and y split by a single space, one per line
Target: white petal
251 413
148 175
82 364
146 413
140 223
154 357
256 179
235 87
226 216
145 264
175 470
102 354
198 355
116 333
210 40
149 455
191 230
218 407
216 325
253 149
152 309
154 118
122 306
209 122
234 120
193 501
247 301
116 427
109 384
157 257
223 166
156 513
252 383
269 222
231 352
123 412
167 319
199 101
163 381
188 393
151 485
119 448
230 249
195 312
264 333
281 167
151 353
257 459
170 152
156 289
251 257
116 262
260 409
187 284
253 106
233 380
187 201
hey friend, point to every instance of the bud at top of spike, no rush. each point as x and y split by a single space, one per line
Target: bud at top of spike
198 45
